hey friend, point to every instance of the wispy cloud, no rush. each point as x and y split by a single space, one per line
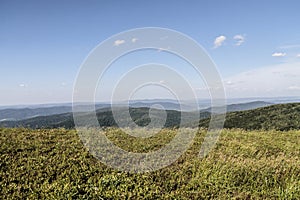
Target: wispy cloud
219 41
229 82
291 46
119 42
276 80
22 85
240 39
164 38
294 87
163 49
133 40
279 54
201 89
298 55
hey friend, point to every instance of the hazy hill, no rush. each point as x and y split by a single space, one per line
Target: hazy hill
243 106
23 113
165 105
106 119
278 117
16 114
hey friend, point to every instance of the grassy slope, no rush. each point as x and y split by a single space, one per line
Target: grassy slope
52 164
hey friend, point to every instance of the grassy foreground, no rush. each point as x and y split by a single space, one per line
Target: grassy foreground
53 164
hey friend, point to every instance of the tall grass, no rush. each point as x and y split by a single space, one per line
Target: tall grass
53 164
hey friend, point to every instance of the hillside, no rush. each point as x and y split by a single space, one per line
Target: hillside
54 164
277 117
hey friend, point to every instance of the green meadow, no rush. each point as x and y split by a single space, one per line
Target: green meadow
54 164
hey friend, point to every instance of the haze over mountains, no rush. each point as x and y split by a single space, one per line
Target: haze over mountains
249 115
20 113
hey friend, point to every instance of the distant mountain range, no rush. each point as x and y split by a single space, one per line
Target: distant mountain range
106 118
17 114
203 103
243 106
251 115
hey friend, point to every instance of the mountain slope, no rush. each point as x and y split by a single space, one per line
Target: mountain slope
277 117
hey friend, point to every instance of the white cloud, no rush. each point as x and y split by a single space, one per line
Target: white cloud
160 49
229 82
293 87
219 41
279 54
22 85
133 40
201 89
276 80
162 82
239 39
298 55
119 42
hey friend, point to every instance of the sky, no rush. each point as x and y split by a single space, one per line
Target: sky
255 45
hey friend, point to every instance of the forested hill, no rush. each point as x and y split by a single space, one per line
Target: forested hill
106 119
274 117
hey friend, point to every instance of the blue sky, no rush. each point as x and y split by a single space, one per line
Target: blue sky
255 44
